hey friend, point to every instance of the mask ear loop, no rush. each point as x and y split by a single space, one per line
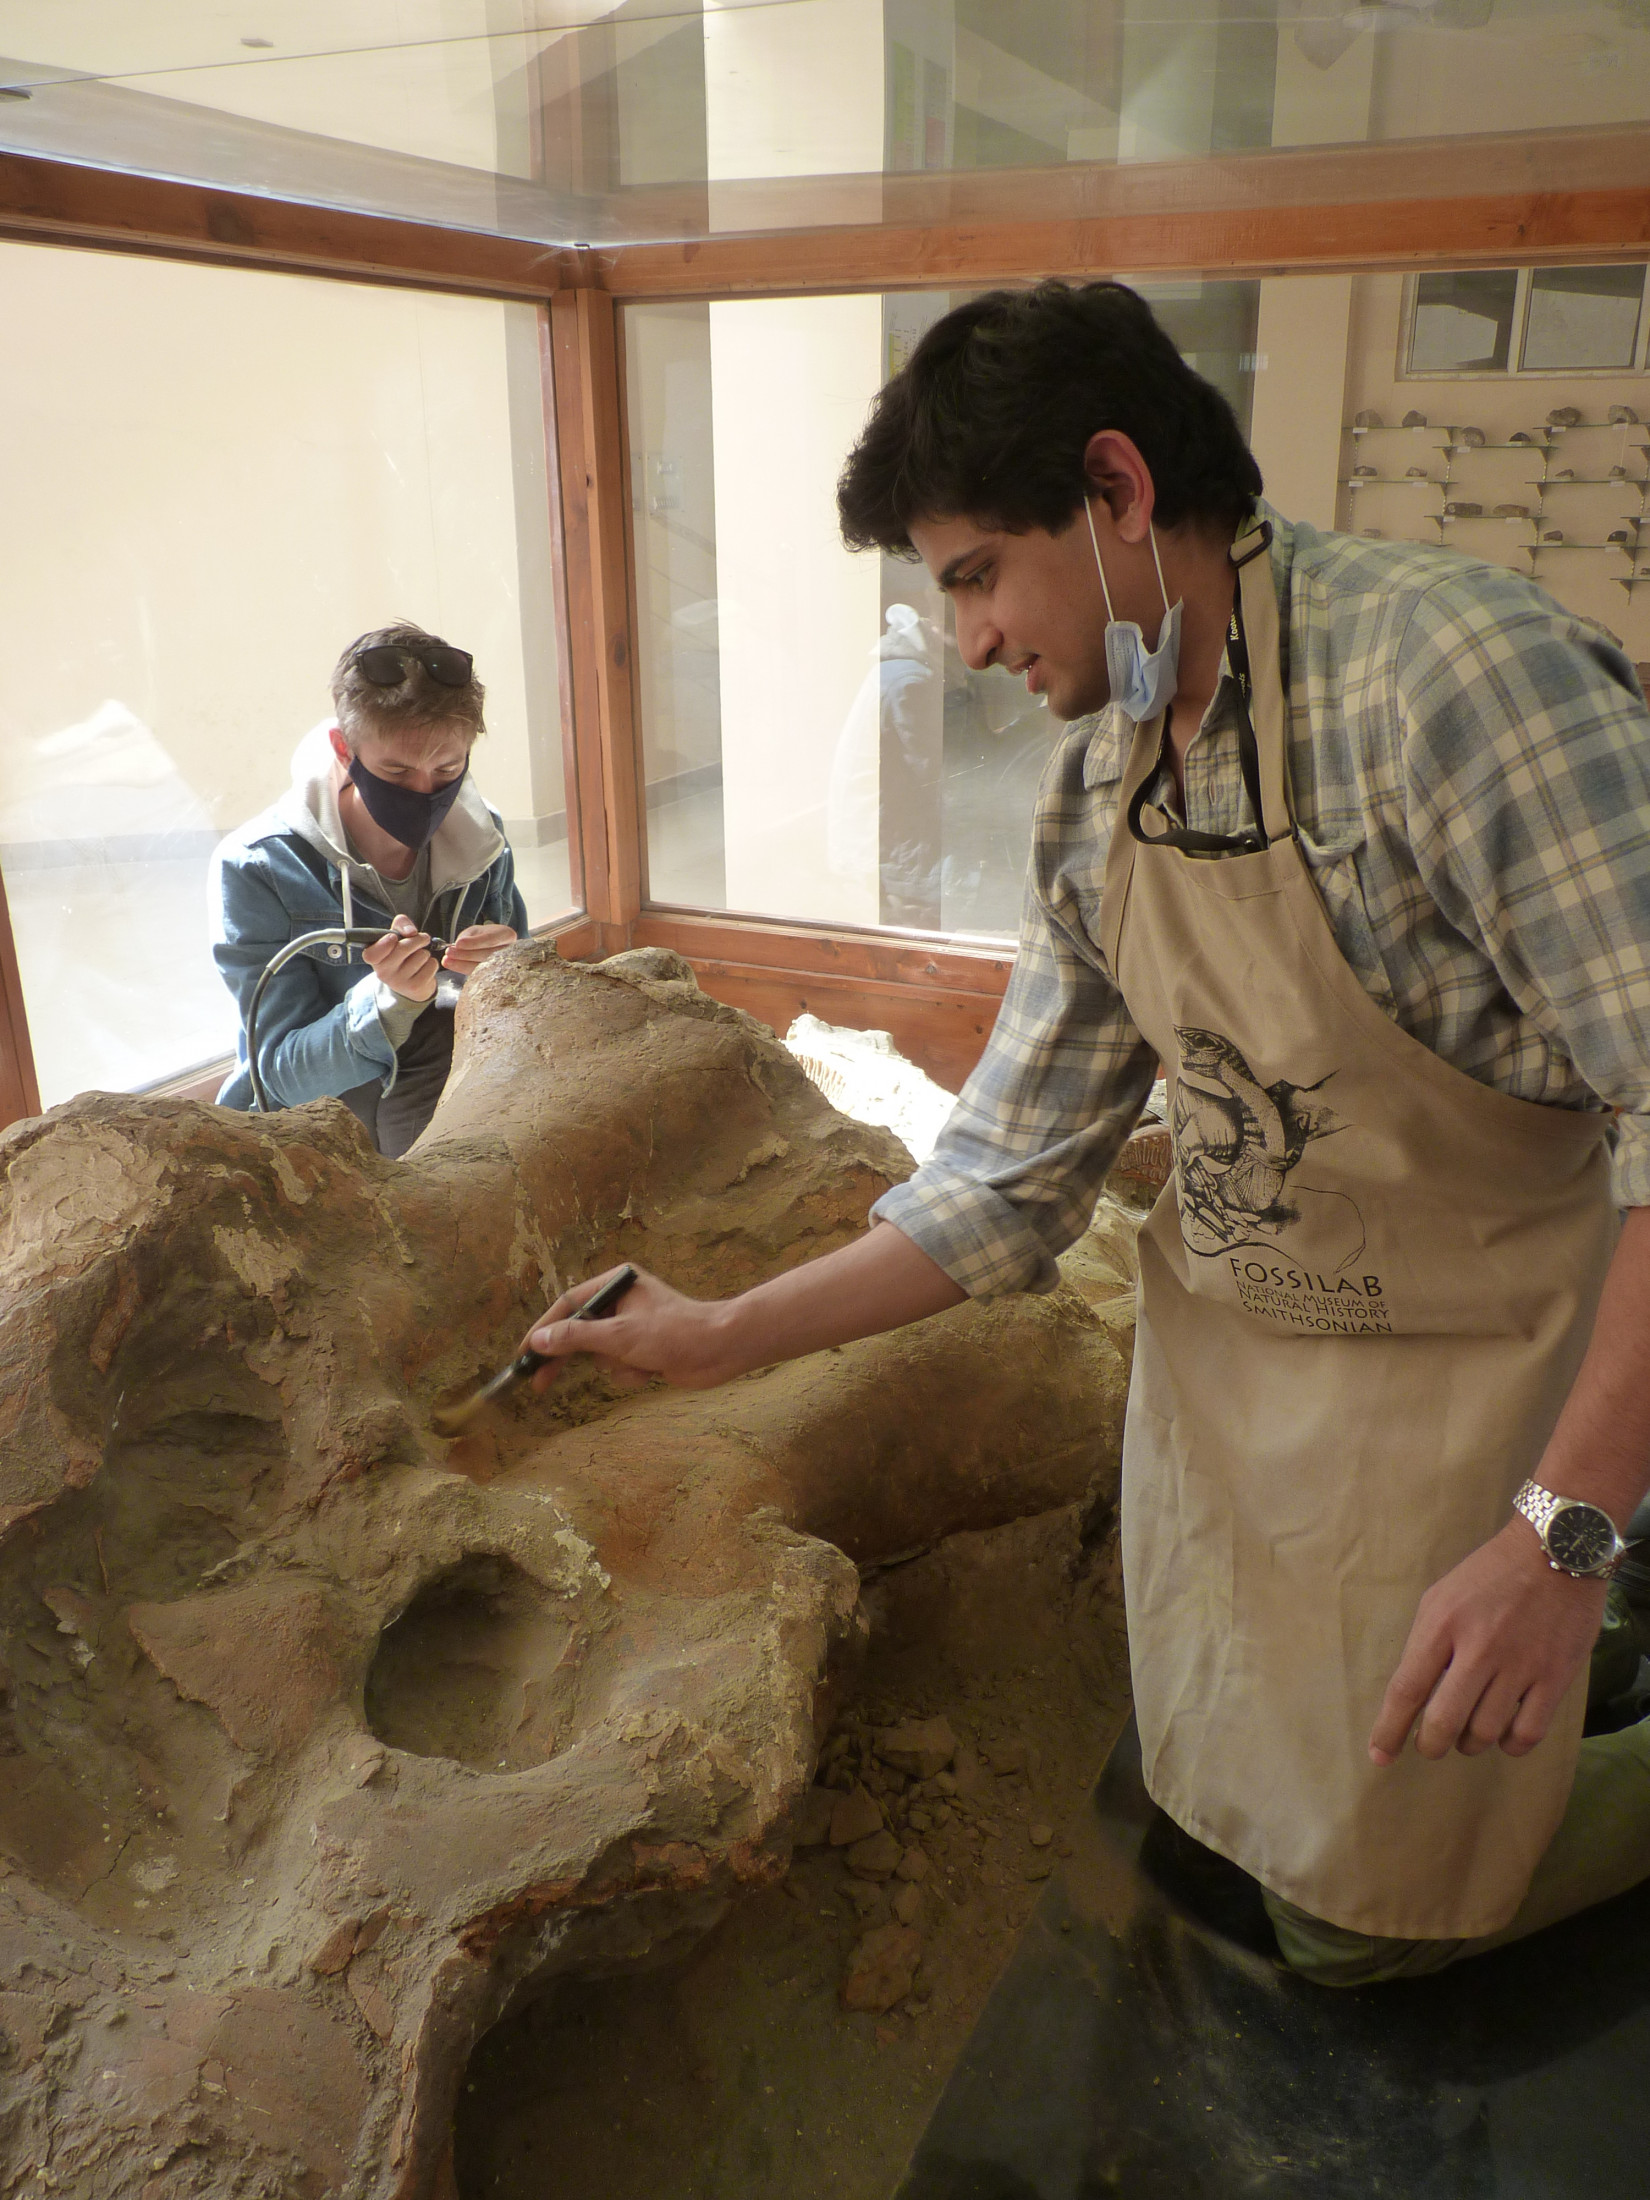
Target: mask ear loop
1088 514
1162 585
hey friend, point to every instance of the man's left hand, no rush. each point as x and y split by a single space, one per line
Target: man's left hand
1494 1647
473 946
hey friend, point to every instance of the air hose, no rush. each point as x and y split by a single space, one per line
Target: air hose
343 937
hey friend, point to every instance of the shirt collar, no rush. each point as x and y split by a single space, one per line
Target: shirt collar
1112 735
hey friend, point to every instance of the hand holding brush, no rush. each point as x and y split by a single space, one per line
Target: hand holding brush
449 1420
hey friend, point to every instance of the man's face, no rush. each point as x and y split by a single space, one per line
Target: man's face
422 762
1031 602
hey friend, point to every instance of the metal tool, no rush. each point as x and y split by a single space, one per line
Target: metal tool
339 940
448 1420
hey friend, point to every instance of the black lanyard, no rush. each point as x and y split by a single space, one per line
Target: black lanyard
1184 837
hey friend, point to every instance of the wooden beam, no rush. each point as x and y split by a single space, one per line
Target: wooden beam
592 473
194 1084
943 1033
50 201
19 1086
1465 201
568 666
938 998
1492 200
837 952
1469 232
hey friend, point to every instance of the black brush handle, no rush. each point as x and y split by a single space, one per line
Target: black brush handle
601 1303
595 1308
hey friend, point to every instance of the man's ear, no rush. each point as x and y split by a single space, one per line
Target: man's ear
340 747
1122 482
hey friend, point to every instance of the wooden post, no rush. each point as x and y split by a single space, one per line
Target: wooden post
593 488
19 1087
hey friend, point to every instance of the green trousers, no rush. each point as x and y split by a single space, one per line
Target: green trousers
1601 1848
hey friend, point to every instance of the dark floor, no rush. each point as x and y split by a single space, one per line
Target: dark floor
1132 2047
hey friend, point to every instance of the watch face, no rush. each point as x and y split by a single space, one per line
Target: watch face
1581 1538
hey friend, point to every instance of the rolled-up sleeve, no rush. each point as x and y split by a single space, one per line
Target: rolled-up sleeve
1016 1172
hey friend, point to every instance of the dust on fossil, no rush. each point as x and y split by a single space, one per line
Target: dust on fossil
740 2074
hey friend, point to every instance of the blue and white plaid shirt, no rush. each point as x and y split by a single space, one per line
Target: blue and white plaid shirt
1471 769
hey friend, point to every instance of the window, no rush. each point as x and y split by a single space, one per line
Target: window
1583 318
814 746
219 478
1546 320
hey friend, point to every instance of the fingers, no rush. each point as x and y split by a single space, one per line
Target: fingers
1496 1644
401 960
1406 1697
575 1296
474 944
1531 1721
555 1335
1470 1709
617 1373
1468 1691
653 1331
1491 1719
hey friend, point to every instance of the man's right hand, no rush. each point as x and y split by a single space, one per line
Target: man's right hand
880 1281
403 960
653 1330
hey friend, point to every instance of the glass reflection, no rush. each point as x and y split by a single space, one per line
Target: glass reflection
814 745
1463 321
570 121
227 475
1583 318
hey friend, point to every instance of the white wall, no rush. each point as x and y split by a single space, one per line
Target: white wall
800 616
794 90
444 80
214 480
1300 383
1584 580
791 91
1305 321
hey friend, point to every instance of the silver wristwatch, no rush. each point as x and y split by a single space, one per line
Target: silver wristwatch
1578 1538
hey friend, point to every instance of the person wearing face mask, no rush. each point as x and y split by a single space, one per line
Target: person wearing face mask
383 824
1358 850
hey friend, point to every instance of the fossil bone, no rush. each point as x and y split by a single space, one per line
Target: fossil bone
327 1741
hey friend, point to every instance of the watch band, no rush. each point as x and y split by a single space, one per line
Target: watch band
1538 1506
1541 1507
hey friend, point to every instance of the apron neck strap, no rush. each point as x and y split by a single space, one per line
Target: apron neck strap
1260 758
1253 646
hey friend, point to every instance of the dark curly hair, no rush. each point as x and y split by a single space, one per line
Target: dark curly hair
990 417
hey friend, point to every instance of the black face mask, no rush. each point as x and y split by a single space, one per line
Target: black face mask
411 818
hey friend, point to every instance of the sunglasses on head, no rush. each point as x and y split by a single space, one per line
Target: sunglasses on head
385 665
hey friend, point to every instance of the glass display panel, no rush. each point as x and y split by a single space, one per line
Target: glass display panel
814 746
1583 317
654 119
1544 472
215 480
1463 321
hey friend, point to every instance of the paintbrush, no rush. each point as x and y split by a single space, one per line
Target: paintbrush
448 1420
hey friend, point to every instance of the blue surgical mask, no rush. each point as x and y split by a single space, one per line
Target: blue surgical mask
1142 681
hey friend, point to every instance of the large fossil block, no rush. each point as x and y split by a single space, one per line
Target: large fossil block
324 1740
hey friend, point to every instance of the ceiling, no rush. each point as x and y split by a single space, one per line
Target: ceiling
571 123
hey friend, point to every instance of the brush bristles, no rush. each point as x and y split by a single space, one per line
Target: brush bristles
448 1420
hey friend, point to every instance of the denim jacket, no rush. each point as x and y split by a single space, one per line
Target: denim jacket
325 1023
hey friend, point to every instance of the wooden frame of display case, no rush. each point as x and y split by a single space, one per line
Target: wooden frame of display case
1489 201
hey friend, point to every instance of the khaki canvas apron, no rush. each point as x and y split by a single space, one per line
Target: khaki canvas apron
1364 1296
